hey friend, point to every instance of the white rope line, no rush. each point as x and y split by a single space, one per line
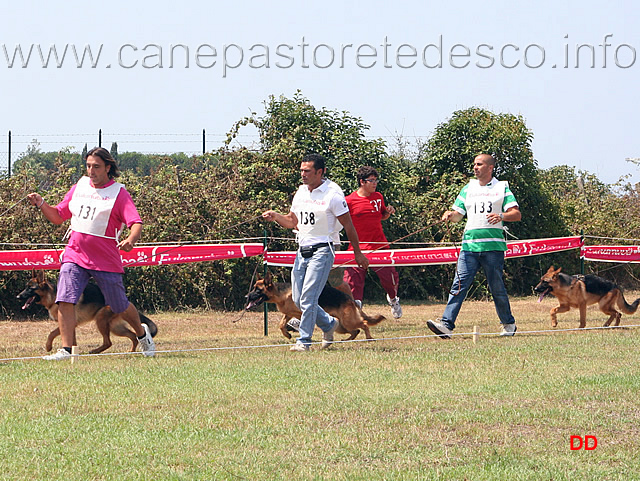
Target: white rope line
289 239
288 345
212 241
292 239
195 242
610 238
145 244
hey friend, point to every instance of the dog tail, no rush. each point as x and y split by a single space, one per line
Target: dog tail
153 329
625 307
372 320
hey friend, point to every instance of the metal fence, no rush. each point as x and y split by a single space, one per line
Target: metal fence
14 145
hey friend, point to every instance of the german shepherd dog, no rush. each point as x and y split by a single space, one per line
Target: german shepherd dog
335 302
581 291
90 307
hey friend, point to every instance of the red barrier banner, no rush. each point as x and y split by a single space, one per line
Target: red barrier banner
432 255
629 254
139 256
179 254
534 247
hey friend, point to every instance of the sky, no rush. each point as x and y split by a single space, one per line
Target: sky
402 67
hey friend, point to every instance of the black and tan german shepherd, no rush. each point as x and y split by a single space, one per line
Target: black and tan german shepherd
581 291
335 302
91 307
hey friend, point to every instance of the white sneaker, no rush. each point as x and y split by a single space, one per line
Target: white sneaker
358 303
299 347
508 329
440 329
147 346
327 337
396 309
60 355
293 324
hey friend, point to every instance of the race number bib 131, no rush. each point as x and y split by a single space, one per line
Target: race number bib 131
91 208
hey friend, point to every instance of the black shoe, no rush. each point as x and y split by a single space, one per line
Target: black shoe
440 329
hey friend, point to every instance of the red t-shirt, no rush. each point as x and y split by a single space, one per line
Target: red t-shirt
366 213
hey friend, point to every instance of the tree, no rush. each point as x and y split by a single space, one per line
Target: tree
35 163
114 150
455 143
292 128
449 155
589 204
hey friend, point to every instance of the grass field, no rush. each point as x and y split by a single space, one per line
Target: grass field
412 407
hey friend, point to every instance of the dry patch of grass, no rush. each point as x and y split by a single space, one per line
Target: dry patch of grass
202 329
410 406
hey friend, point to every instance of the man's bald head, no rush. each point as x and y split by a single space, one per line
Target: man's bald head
483 166
486 158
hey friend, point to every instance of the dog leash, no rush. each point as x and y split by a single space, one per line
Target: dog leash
455 246
180 244
50 236
42 186
384 246
14 205
253 276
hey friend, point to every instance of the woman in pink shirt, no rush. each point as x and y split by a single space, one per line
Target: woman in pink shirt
99 208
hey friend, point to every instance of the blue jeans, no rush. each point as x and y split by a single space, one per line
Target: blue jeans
492 263
308 278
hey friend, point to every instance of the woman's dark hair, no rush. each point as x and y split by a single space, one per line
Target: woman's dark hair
107 159
365 172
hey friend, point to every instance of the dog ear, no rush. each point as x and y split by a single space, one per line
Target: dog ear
39 277
268 280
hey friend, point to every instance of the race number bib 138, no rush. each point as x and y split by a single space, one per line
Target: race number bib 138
312 223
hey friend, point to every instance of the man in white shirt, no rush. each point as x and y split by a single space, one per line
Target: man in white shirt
316 209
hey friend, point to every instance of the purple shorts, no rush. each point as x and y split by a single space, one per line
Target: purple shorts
73 279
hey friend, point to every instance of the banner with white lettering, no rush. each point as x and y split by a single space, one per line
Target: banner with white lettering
433 255
179 254
629 254
139 256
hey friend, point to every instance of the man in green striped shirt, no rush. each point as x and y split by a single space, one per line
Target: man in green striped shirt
487 203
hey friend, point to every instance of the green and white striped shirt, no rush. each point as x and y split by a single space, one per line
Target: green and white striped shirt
476 201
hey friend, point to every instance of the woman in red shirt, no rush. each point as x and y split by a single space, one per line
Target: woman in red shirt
368 210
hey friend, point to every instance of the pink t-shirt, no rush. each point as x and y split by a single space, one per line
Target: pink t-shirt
99 253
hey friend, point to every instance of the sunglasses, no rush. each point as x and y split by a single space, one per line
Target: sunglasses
372 181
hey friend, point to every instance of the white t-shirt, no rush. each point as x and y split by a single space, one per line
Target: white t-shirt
335 236
318 211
